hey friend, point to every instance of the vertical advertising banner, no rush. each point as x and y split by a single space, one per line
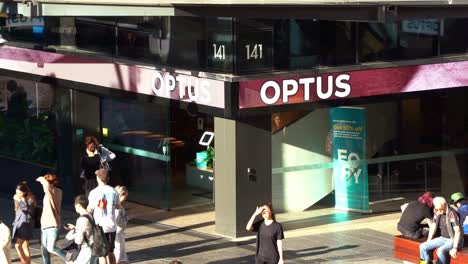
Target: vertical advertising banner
348 127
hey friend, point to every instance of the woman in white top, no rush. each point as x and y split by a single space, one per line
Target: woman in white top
121 220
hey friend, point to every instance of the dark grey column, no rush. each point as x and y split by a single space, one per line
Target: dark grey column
67 31
86 122
241 146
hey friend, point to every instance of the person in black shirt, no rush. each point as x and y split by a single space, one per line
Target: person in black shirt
90 163
269 236
445 234
410 222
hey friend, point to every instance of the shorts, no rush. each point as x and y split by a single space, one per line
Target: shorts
260 260
111 238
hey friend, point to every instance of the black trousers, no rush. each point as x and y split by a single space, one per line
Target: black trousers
420 232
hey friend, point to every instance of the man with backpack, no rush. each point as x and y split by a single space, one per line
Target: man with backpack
445 234
83 233
103 200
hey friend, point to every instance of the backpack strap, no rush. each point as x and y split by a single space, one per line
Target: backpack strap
91 221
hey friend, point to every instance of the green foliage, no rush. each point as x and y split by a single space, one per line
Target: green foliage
27 139
210 156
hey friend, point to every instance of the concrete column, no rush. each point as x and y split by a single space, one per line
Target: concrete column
240 146
85 122
454 166
67 31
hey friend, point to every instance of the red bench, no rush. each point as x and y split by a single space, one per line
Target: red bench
408 249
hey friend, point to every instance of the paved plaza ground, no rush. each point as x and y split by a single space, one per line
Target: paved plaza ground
320 236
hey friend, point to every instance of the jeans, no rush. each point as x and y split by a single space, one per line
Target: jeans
48 238
443 246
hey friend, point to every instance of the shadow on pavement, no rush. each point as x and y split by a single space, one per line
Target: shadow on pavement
184 249
290 255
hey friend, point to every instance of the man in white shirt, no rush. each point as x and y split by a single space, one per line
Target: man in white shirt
103 200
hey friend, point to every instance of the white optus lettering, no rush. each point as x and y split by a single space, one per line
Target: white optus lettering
288 92
193 89
341 84
328 93
338 87
158 84
185 87
306 82
276 95
204 90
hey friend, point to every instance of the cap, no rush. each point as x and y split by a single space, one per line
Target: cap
457 197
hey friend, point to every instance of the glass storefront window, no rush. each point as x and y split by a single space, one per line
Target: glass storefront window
455 37
143 38
219 46
241 46
19 28
27 121
139 135
95 35
413 145
301 43
410 39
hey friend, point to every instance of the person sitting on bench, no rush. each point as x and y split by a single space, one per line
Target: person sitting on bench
416 211
444 234
461 203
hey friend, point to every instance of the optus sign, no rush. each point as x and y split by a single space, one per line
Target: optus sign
313 88
182 86
272 91
130 78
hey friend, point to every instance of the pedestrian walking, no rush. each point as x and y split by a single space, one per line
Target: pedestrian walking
23 223
270 235
121 220
5 244
50 218
83 232
103 202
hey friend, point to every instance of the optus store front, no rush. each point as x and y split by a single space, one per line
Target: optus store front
152 119
362 140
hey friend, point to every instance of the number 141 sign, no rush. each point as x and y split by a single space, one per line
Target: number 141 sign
254 51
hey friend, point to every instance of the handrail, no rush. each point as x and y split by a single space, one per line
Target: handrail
28 162
405 157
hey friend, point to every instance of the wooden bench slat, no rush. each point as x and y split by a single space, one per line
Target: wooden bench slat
408 249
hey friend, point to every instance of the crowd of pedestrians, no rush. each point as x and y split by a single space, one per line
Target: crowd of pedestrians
98 235
99 210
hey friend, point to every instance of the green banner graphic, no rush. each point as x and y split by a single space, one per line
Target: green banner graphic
348 127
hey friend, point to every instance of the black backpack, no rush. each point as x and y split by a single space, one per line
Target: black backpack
101 245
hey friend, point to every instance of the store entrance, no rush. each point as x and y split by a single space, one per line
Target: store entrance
192 170
414 143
